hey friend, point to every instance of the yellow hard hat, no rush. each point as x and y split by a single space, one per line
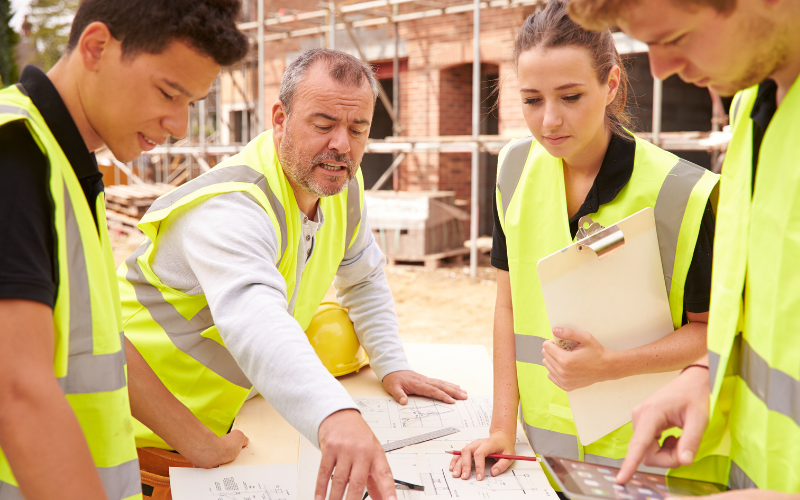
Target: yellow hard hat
333 337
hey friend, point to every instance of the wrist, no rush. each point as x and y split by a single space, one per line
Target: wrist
615 365
334 421
695 375
695 365
510 431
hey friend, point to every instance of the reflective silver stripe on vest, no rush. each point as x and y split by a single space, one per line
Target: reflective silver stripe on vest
734 359
738 480
777 389
511 170
185 334
545 442
353 211
558 444
713 366
121 481
10 492
735 114
86 372
13 110
529 348
236 173
673 198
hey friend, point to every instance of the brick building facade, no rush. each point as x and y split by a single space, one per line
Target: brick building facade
436 93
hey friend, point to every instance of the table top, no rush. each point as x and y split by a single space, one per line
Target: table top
273 440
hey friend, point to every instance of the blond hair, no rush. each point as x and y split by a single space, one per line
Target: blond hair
602 14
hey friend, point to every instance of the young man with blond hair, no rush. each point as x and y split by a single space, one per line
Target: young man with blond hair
750 48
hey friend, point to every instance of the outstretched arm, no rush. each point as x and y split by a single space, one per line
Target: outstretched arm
503 430
236 267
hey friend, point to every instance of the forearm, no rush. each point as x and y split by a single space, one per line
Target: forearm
156 407
506 390
44 444
682 347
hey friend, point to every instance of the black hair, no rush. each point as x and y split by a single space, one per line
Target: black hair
149 26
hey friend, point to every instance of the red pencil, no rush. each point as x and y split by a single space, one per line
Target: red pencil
498 455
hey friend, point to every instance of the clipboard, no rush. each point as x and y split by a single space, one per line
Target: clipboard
610 284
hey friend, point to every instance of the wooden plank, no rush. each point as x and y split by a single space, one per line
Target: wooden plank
433 256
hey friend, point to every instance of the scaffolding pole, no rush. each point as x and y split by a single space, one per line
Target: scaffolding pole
260 125
332 25
381 91
658 88
476 115
396 95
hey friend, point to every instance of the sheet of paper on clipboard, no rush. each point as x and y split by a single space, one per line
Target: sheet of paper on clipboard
610 284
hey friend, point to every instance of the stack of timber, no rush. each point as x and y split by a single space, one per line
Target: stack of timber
418 227
125 205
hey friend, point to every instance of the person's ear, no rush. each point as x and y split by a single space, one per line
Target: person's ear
279 119
93 44
613 84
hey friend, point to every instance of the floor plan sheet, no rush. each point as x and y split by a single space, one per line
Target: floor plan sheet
427 463
247 482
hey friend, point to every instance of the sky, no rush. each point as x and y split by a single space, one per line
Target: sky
20 7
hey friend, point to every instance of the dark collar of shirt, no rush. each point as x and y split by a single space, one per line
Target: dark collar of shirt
55 113
764 109
614 174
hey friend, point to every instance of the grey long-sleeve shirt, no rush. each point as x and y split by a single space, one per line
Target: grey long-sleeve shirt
227 249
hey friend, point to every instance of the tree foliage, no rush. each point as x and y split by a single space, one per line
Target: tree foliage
8 39
50 22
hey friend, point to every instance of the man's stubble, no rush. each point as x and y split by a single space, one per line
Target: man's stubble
299 167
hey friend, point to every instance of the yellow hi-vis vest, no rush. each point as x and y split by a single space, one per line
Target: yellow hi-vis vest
755 350
175 332
89 357
531 203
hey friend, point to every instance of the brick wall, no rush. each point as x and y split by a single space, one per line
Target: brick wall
436 93
436 96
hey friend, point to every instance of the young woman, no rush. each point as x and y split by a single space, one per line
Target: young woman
581 161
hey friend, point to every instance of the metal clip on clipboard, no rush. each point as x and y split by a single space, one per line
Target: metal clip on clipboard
603 241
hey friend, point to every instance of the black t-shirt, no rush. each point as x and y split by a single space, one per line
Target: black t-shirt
28 263
614 174
764 108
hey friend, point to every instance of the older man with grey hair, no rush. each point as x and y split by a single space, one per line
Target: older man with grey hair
235 263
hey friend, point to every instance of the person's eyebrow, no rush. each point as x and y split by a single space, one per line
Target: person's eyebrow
361 122
657 40
563 87
182 90
323 115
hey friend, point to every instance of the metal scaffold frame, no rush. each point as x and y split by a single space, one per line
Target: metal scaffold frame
181 160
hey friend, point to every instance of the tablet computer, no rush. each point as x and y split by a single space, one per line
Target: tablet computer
585 481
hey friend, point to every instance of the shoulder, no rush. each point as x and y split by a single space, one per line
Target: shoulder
647 151
23 165
17 141
516 147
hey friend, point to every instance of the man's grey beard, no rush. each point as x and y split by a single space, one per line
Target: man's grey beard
299 167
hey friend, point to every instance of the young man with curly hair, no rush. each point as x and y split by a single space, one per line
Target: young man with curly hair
750 48
131 70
